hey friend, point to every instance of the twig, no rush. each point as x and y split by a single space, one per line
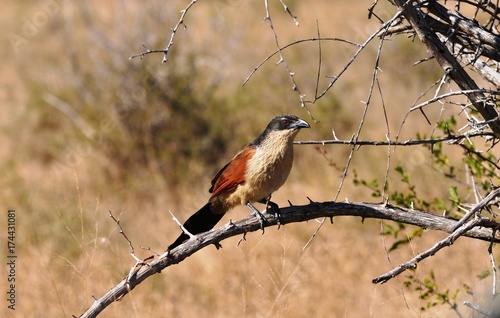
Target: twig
430 252
72 114
409 142
355 55
139 262
478 309
282 60
416 18
320 59
461 92
493 263
256 68
122 232
172 36
287 10
191 236
478 207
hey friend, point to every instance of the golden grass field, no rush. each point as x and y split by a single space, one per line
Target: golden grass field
63 172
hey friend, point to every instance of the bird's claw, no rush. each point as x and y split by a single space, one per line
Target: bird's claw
262 220
275 209
260 216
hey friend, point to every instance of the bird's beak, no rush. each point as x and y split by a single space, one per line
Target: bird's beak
301 124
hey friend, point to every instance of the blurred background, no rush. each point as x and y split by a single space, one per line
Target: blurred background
85 131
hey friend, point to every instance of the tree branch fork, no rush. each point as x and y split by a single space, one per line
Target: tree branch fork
478 227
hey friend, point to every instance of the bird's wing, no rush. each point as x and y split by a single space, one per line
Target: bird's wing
233 173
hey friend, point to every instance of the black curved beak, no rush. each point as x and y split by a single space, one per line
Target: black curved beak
300 124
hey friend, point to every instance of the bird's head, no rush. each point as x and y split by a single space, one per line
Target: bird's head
282 127
287 122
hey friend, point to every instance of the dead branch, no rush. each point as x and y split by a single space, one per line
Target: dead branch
417 18
482 230
460 227
430 252
411 142
173 32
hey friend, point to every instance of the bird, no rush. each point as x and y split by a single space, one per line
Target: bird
254 173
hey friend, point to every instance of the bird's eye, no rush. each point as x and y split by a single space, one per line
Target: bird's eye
285 122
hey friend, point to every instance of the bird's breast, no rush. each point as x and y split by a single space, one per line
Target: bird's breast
266 171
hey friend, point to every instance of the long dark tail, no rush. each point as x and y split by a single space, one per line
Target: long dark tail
202 221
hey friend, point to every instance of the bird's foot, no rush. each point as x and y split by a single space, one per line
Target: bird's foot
262 218
275 209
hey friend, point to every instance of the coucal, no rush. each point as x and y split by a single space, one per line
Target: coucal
258 170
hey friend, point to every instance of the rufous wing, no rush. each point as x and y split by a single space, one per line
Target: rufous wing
233 173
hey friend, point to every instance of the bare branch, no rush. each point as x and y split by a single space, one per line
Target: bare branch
480 229
493 266
479 309
191 236
292 44
172 36
72 114
478 207
138 262
287 10
443 96
430 252
447 61
282 60
473 61
432 141
380 31
459 229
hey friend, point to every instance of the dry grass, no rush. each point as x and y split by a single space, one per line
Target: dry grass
63 185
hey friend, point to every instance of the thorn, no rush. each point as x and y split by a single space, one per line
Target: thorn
243 238
218 245
191 236
260 216
318 206
290 203
149 249
334 136
331 219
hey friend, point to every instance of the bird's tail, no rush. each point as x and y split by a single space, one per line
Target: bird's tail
202 221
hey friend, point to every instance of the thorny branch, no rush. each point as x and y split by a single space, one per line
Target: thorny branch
282 60
428 32
479 309
459 229
430 252
296 42
481 229
138 261
432 141
481 205
172 36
